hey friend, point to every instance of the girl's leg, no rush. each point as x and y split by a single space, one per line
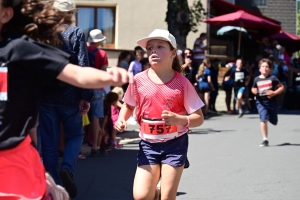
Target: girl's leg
206 99
145 181
264 129
95 132
170 177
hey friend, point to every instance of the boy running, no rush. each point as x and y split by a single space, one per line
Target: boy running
241 79
266 87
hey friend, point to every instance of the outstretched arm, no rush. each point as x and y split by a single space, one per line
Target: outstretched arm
88 77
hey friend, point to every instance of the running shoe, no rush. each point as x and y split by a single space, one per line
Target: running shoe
241 114
265 143
68 182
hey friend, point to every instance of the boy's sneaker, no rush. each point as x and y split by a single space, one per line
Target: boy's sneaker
241 114
68 182
265 143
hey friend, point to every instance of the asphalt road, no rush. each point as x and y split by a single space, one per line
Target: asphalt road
226 163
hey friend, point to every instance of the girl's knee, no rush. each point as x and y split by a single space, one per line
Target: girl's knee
143 195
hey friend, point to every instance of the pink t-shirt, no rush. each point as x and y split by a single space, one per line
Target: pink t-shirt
114 114
150 99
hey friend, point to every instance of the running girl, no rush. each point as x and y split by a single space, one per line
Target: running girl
167 105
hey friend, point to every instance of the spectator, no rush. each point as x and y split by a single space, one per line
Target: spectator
64 105
283 77
266 48
214 72
135 66
123 60
283 55
205 84
274 49
199 49
99 58
190 68
145 64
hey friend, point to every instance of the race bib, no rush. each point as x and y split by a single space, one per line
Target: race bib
157 129
239 76
3 83
263 87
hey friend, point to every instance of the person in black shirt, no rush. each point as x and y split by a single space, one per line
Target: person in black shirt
214 72
266 87
25 66
241 79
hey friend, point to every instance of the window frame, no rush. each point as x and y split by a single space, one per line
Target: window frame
107 45
260 4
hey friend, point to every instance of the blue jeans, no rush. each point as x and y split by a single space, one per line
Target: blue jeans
50 118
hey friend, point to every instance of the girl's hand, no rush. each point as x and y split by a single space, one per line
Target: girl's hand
120 125
170 117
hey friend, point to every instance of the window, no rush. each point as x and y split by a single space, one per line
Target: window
259 2
102 18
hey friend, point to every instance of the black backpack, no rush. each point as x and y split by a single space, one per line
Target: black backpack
92 57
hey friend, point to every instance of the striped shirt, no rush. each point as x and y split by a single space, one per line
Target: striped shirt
198 50
177 95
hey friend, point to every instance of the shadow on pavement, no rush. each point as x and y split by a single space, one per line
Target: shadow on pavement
208 130
287 144
107 178
180 193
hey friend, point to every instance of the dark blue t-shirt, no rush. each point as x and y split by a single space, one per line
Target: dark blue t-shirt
263 85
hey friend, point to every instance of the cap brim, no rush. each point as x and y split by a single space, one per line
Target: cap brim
143 42
96 40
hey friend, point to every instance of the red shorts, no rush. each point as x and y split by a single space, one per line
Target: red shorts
22 175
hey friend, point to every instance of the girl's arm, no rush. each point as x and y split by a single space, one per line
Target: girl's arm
125 112
210 83
88 77
196 118
119 104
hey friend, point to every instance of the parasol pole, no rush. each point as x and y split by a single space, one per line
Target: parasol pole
239 44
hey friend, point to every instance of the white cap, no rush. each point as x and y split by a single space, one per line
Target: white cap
158 34
96 35
64 5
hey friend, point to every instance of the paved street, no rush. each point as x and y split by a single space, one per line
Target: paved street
226 163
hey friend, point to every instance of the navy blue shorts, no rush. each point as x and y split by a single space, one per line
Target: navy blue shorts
172 152
267 112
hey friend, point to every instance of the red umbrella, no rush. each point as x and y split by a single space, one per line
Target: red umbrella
290 41
245 20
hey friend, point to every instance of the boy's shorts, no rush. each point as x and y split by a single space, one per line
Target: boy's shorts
238 91
267 112
97 107
172 152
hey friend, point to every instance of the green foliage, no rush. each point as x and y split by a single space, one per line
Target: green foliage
191 16
197 14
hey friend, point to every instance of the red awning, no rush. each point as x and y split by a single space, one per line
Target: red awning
222 7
